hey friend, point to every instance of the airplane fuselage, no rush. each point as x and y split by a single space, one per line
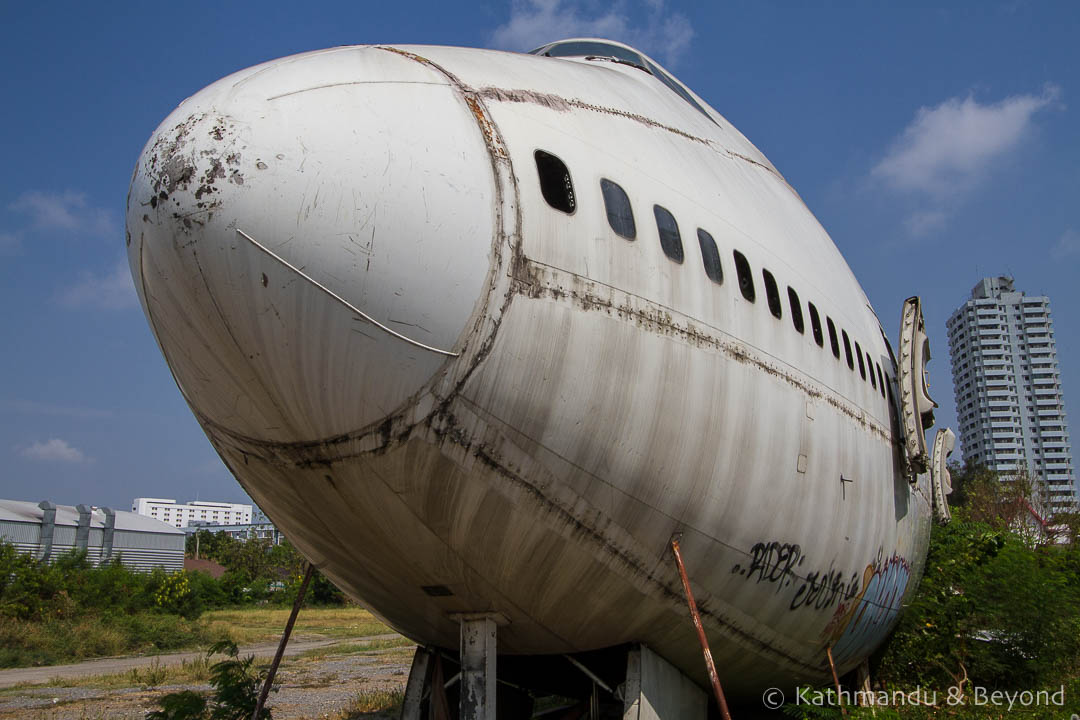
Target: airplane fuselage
449 369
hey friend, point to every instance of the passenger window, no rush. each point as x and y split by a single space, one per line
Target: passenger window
881 383
619 214
815 325
847 350
772 293
746 280
796 310
710 258
555 183
670 240
858 354
870 364
832 337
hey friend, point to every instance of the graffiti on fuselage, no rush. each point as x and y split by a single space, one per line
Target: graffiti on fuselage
781 564
865 619
865 603
772 562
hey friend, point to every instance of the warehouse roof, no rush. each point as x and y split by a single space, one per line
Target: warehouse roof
30 512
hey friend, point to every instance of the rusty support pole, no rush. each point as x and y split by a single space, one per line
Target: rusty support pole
709 665
284 641
836 681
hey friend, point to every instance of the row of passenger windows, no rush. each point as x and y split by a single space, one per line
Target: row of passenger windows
558 190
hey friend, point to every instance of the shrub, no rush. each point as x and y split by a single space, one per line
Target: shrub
991 609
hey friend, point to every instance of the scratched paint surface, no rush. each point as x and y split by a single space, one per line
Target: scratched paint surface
603 398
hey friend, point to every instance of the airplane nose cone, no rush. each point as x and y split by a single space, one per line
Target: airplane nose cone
310 239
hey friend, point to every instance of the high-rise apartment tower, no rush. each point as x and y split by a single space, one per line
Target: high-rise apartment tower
1008 388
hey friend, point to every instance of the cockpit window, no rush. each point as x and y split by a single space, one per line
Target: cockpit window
555 183
591 48
678 89
619 213
597 49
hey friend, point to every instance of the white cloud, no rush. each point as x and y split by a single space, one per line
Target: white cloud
9 244
1068 245
68 211
947 148
533 23
54 449
111 291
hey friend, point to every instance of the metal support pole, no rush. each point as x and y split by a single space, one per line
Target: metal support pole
862 675
836 681
439 707
477 667
709 665
48 525
284 641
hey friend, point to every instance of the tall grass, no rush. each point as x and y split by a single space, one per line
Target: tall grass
56 641
251 625
368 703
62 640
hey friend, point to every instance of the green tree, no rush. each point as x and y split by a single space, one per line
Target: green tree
999 602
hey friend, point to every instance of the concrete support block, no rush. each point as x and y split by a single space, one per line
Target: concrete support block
656 690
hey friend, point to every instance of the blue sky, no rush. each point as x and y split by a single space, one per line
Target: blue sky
937 144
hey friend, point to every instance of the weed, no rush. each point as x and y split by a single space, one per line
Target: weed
358 647
235 684
374 701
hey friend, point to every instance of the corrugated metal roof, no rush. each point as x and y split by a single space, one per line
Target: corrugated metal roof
29 512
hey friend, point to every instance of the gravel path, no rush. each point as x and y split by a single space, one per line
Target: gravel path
308 688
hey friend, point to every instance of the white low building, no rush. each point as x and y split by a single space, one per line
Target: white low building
181 515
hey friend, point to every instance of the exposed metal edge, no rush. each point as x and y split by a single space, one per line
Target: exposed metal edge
340 299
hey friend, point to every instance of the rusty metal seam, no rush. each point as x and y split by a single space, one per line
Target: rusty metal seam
502 175
531 284
561 104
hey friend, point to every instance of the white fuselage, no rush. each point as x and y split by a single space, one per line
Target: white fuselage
531 405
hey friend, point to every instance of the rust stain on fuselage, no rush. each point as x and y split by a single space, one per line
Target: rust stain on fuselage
561 104
537 280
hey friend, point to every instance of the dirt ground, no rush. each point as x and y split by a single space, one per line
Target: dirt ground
309 688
